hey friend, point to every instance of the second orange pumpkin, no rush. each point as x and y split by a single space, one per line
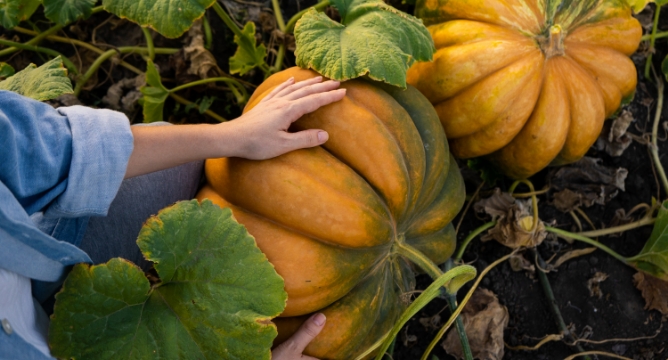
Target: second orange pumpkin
528 83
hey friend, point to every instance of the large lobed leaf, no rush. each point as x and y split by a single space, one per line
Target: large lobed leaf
63 12
248 54
40 83
653 258
12 12
170 18
215 299
373 39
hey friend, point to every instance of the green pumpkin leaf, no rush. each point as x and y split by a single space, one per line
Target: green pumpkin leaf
216 295
155 94
6 70
373 39
63 12
40 83
248 54
12 12
639 5
170 18
653 258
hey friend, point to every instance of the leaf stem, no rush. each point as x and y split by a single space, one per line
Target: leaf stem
554 307
470 237
570 235
422 261
33 41
228 80
92 69
227 19
660 35
654 147
290 27
184 101
208 35
279 16
652 39
447 325
278 62
636 224
149 42
70 66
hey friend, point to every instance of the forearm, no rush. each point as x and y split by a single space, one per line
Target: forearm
161 147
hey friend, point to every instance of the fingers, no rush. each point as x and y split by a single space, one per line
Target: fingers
279 88
306 139
294 87
306 333
313 89
313 102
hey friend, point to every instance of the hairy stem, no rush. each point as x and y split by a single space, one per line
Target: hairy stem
654 148
554 307
149 43
227 19
208 35
617 229
470 237
652 39
570 235
279 16
70 66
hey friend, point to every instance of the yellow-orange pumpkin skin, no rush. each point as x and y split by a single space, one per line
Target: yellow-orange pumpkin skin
329 218
527 82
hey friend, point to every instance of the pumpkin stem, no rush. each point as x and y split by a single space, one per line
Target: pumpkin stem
553 43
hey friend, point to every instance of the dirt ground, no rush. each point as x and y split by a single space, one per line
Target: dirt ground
618 314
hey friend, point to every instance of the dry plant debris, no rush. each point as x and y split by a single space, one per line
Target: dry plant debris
614 139
571 255
514 221
586 182
202 62
594 284
654 291
484 320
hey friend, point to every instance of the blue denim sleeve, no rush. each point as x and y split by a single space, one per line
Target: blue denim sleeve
67 162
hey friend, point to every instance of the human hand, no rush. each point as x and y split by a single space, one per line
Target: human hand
293 348
262 133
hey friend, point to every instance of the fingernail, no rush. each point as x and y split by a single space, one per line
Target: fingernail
291 79
323 136
319 78
319 319
342 90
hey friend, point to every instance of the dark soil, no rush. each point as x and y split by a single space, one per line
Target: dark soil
618 314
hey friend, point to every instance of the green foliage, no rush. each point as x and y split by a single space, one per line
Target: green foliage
373 39
638 5
63 12
6 70
12 12
40 83
170 18
215 298
248 54
653 258
155 94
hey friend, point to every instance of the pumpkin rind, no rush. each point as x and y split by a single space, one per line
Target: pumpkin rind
495 61
327 217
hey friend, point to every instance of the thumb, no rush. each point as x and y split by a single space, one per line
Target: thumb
306 333
307 139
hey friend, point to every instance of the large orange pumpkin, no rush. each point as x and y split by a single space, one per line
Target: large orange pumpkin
528 81
331 218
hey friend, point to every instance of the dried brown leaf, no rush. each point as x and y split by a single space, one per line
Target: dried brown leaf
572 255
123 95
594 284
520 263
566 200
614 139
202 62
514 221
431 323
654 291
593 182
484 321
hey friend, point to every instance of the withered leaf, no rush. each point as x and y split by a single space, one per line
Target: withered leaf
614 139
519 263
594 284
654 291
202 62
484 321
593 182
514 221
